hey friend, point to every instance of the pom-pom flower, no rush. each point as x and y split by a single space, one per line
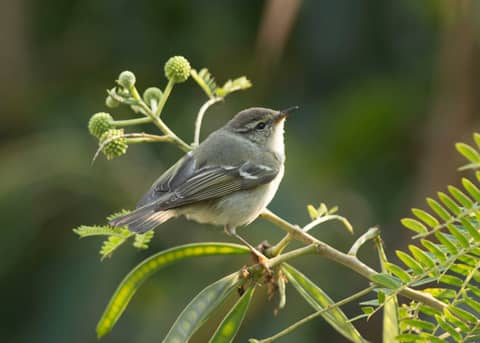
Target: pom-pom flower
111 102
152 94
126 79
116 147
177 69
99 123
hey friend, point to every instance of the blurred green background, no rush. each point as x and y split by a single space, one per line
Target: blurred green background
385 87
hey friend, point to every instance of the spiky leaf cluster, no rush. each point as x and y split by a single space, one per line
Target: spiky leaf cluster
445 264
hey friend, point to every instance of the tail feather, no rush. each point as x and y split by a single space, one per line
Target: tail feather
142 219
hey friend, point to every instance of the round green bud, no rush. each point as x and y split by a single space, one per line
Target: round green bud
111 102
126 79
99 123
116 147
177 69
152 94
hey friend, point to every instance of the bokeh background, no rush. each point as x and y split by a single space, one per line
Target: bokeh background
386 88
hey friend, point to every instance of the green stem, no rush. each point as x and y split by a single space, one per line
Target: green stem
163 99
130 122
155 118
280 246
200 115
317 314
349 261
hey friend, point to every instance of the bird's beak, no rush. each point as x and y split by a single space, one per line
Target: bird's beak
284 113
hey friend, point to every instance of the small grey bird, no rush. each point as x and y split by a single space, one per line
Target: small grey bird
228 180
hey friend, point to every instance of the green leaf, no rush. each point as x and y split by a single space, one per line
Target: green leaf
449 203
476 138
462 314
408 337
471 189
231 86
434 250
87 231
429 311
420 324
422 257
469 226
410 262
451 280
198 310
459 236
468 152
150 266
446 242
228 328
426 217
438 209
473 304
441 293
312 212
142 240
112 243
205 80
319 300
414 225
464 200
386 280
398 272
454 320
447 327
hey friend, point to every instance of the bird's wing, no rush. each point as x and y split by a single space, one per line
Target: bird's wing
216 181
171 179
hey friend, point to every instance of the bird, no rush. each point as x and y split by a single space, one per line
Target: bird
227 180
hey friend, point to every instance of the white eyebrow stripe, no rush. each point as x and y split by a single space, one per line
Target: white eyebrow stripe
264 167
247 175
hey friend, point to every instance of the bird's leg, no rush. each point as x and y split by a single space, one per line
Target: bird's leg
262 259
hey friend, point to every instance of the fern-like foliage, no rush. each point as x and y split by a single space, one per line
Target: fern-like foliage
116 235
207 82
446 261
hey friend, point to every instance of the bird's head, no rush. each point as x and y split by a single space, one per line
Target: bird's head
262 126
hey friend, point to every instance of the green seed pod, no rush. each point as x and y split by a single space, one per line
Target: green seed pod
177 69
126 79
116 147
152 94
99 123
111 102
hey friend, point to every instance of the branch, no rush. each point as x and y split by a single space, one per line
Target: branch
200 115
323 249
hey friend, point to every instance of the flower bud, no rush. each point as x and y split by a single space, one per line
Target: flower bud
126 79
177 69
99 123
111 102
152 94
116 147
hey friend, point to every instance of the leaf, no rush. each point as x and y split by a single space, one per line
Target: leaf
441 293
112 243
446 242
451 205
410 262
426 217
451 280
150 266
467 224
458 235
205 80
434 249
87 231
468 152
414 225
438 209
386 280
471 189
312 212
473 304
447 327
198 310
421 324
460 197
142 240
231 86
462 314
228 328
398 272
319 300
422 257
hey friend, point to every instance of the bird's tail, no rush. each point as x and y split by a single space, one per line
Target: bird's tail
143 219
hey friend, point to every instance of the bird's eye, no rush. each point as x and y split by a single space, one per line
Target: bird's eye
260 126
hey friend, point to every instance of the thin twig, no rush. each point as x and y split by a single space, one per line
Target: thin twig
200 115
317 314
349 261
367 236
